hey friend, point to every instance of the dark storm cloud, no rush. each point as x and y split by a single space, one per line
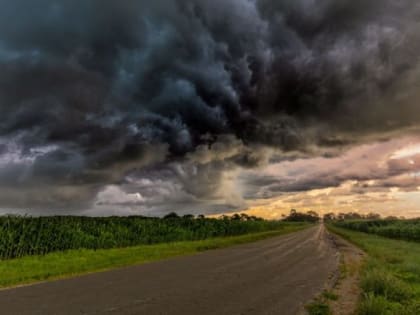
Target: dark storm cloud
90 91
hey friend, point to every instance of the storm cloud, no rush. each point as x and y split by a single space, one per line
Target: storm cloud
369 166
99 97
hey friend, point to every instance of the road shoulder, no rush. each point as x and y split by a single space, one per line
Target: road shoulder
346 291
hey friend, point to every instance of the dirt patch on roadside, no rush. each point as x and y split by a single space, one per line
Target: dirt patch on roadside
347 286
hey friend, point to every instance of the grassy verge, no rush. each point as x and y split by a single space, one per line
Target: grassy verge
390 276
75 262
318 307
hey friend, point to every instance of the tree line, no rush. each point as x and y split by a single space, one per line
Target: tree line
296 216
357 216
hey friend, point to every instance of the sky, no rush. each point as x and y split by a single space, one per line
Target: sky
209 107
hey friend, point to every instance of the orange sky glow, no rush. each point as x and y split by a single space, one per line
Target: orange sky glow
382 177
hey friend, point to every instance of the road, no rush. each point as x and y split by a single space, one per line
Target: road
273 276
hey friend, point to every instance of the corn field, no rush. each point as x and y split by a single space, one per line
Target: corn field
22 236
398 229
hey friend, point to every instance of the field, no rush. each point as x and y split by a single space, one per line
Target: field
398 229
391 274
23 236
37 249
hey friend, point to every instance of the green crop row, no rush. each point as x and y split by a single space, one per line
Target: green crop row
23 236
397 229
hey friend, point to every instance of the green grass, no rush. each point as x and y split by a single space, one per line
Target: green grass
318 307
57 265
390 275
330 296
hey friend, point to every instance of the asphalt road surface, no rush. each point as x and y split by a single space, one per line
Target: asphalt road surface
274 276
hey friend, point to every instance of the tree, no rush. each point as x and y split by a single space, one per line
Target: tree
235 217
171 215
313 214
329 216
373 216
295 216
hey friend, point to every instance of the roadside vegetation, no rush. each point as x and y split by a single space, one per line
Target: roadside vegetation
25 236
318 307
390 276
40 248
68 263
392 228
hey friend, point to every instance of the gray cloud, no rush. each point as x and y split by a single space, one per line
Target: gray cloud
93 92
369 168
